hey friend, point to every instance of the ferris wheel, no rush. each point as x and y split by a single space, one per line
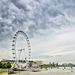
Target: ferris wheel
14 45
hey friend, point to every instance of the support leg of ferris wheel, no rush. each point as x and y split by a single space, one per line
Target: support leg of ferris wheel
19 56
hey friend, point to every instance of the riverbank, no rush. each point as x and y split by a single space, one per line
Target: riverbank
5 70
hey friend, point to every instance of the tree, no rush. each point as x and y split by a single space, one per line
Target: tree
4 65
0 64
74 65
8 65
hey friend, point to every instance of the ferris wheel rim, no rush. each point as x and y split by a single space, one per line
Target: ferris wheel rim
14 44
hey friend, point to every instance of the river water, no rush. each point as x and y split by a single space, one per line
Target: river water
61 71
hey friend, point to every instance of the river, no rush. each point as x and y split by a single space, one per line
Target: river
61 71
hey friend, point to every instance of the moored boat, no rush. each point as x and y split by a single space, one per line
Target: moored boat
35 70
12 72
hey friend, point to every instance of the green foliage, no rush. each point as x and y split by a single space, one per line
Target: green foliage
8 65
4 65
0 64
46 65
13 66
74 65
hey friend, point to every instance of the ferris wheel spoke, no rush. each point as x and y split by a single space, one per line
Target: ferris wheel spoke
14 45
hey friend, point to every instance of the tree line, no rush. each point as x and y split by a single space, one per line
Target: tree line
46 65
5 65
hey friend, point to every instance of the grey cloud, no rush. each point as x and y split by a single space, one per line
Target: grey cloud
19 5
39 13
35 17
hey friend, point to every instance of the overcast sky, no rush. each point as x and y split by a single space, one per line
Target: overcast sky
49 24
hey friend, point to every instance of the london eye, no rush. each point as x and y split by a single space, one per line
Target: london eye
14 51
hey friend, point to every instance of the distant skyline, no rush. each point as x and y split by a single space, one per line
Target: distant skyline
49 24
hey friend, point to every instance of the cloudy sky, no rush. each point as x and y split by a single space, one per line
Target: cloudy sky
49 24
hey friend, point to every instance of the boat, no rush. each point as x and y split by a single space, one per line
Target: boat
35 70
12 72
71 70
